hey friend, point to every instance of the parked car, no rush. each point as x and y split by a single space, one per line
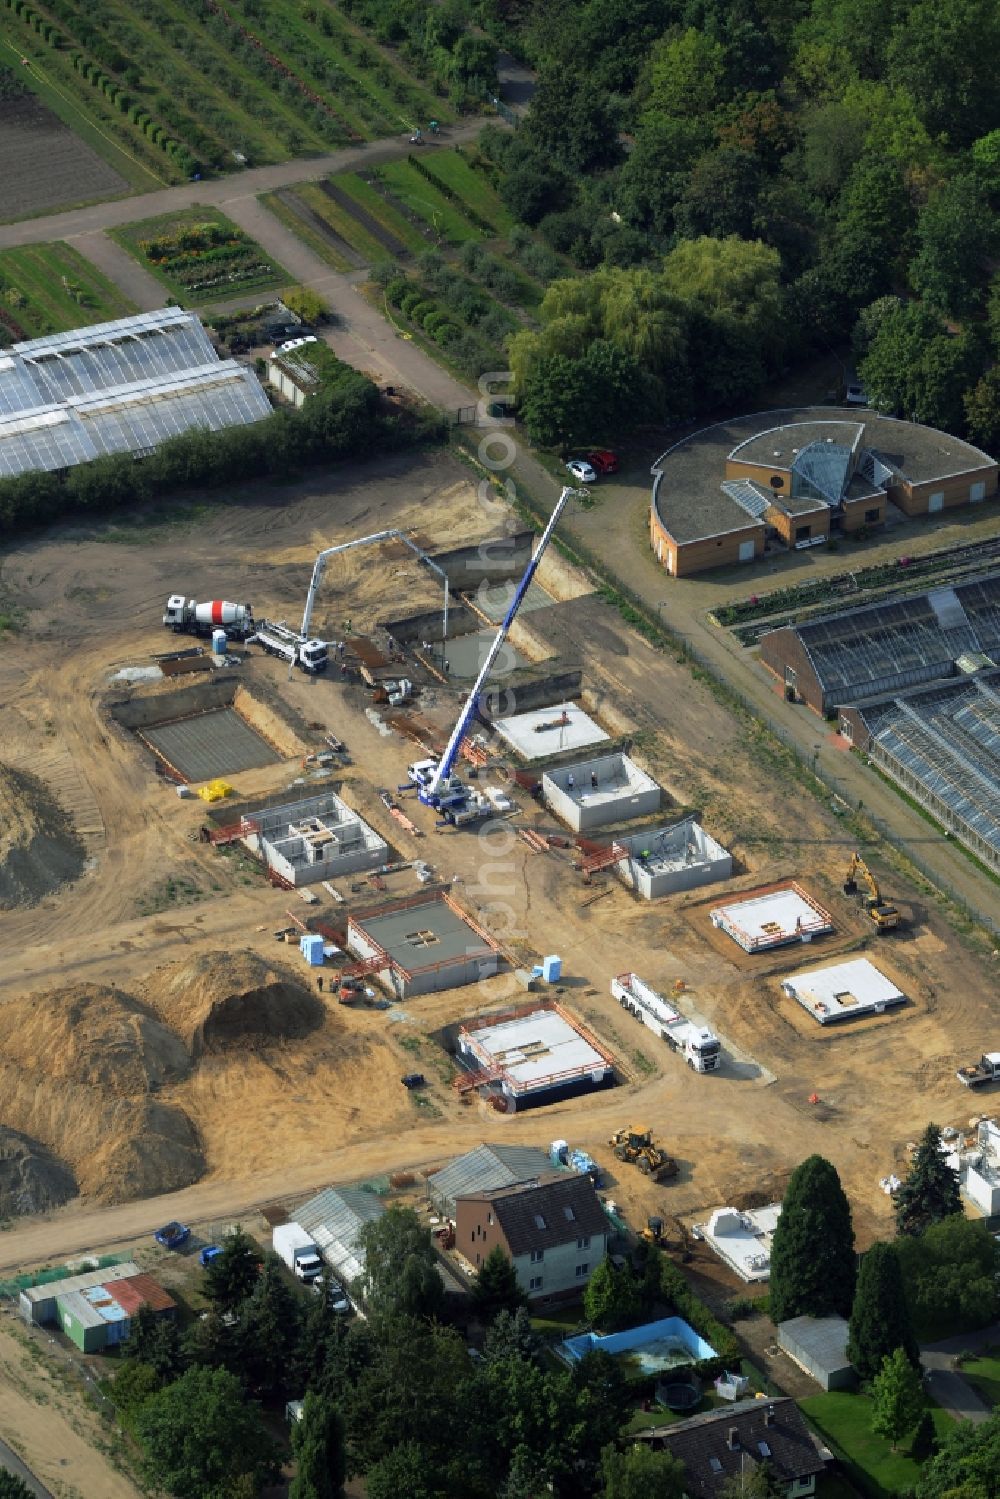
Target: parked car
414 1080
581 471
172 1235
855 395
208 1254
604 461
340 1302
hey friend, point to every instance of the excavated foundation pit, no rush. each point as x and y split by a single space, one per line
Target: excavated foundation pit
208 729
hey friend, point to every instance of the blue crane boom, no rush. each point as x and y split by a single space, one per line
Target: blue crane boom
428 791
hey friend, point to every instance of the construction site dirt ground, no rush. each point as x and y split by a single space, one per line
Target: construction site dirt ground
275 1121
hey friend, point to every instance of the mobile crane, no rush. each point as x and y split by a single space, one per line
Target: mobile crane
884 916
437 785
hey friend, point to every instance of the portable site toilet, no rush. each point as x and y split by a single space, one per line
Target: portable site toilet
311 948
219 639
552 969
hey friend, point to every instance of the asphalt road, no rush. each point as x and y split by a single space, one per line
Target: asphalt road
946 1383
10 1460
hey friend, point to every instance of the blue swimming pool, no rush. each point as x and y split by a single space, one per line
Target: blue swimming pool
654 1346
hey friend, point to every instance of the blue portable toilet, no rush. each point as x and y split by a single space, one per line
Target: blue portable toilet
552 969
311 948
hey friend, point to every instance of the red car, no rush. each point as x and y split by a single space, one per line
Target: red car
603 461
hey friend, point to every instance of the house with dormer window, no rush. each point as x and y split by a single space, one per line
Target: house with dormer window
554 1232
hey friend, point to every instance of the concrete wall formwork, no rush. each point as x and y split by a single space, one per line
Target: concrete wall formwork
319 838
665 860
606 789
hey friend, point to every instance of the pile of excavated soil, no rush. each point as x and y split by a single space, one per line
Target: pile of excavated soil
39 848
32 1180
94 1035
77 1068
219 1000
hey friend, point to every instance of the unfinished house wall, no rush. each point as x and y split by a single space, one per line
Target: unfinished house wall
666 860
593 793
316 839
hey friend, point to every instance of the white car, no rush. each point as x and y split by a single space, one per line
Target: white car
856 395
581 471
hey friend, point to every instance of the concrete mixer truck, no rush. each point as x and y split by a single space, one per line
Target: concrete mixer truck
187 617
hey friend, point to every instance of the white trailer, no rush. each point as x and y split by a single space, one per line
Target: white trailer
188 617
700 1048
279 640
298 1251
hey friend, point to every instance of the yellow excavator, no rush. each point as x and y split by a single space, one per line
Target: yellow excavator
884 916
636 1146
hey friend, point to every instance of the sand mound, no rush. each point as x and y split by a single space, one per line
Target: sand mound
39 848
219 1000
32 1180
93 1035
77 1067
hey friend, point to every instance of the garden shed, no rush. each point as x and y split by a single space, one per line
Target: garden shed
819 1346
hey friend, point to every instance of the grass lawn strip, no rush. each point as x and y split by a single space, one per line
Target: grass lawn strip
388 242
343 223
445 219
372 201
472 187
170 226
37 273
983 1374
297 216
844 1421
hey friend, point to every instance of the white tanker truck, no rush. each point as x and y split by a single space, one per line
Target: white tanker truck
187 617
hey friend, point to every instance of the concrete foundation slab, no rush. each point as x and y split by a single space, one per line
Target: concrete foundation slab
743 1240
494 599
465 655
210 744
550 731
665 860
592 793
843 992
772 918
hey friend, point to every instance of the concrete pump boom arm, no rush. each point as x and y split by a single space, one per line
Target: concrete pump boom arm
458 733
319 568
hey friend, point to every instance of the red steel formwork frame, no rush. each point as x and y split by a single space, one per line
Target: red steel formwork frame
820 921
494 1072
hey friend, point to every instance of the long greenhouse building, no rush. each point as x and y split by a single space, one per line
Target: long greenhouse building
118 387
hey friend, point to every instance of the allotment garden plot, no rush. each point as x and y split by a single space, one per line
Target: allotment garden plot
43 165
201 256
50 289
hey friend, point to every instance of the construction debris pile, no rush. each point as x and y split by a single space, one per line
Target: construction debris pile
39 847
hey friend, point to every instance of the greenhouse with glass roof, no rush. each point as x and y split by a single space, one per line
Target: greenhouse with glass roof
117 387
941 744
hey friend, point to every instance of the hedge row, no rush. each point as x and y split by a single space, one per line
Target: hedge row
676 1290
447 191
112 90
343 420
415 305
